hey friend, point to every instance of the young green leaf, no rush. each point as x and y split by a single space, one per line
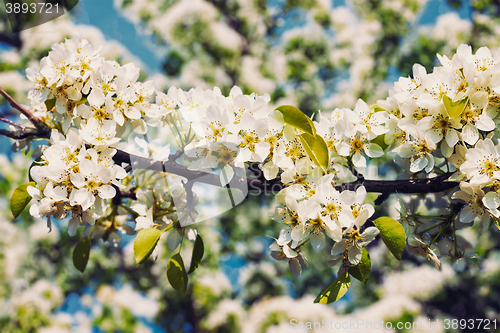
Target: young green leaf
176 273
316 149
455 109
296 118
20 199
393 235
198 251
321 152
145 242
81 254
50 103
362 270
335 290
497 222
380 141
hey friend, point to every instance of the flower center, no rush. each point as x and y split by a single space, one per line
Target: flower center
356 144
489 167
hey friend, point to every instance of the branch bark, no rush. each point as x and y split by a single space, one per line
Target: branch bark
42 129
385 187
19 135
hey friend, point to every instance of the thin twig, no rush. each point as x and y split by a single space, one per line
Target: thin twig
22 134
43 129
5 120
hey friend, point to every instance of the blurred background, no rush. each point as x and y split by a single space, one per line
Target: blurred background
315 54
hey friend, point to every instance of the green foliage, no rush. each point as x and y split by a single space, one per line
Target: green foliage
176 273
335 290
174 62
316 149
81 254
323 19
456 108
296 118
145 243
305 4
314 50
50 103
20 199
422 51
393 235
362 270
198 251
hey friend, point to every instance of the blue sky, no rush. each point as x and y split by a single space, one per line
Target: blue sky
114 25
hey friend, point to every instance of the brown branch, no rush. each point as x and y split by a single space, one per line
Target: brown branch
19 135
10 122
128 194
42 129
406 186
385 187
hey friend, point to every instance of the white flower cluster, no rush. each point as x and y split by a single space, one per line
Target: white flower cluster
91 104
443 119
77 173
446 121
311 205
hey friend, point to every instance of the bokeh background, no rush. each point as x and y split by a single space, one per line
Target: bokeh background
315 54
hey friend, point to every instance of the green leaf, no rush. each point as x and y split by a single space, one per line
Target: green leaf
176 273
455 109
497 222
296 118
321 152
380 141
335 290
198 251
81 254
362 270
316 149
50 103
145 242
392 234
20 199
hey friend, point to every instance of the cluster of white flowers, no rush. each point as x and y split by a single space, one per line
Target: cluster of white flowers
92 104
445 119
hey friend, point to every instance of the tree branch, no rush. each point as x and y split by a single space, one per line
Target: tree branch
19 135
10 122
385 187
407 186
42 129
257 182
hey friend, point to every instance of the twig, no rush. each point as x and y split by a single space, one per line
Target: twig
408 186
43 129
5 120
385 187
22 134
